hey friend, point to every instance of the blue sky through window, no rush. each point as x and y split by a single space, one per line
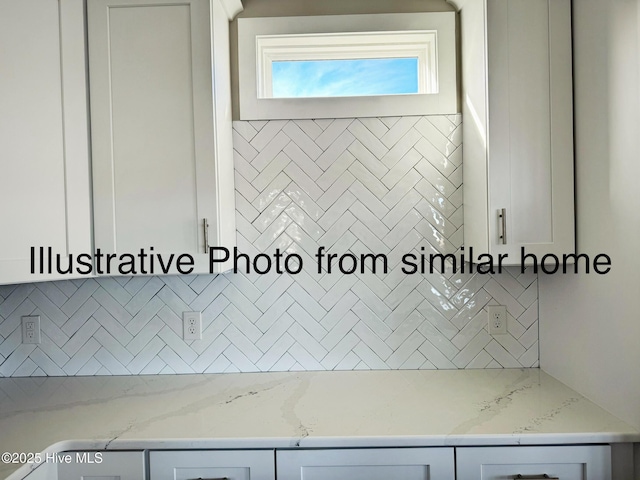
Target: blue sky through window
342 78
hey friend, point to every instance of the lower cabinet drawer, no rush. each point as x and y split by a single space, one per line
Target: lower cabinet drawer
212 464
565 463
366 464
101 466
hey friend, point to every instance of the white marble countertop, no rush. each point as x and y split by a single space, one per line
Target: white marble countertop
303 409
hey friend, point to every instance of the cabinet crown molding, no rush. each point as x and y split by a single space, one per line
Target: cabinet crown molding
454 4
232 7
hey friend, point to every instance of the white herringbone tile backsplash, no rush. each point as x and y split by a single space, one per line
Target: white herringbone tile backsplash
387 185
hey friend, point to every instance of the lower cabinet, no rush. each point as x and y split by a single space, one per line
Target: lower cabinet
564 462
366 464
586 462
101 466
212 464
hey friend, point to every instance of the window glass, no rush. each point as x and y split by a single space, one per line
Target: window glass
344 78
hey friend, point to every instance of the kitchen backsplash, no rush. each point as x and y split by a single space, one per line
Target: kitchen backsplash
374 185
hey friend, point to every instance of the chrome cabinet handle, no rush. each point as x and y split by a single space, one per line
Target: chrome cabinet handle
502 215
535 477
205 227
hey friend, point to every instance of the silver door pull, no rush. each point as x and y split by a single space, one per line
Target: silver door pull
535 477
502 214
216 478
205 227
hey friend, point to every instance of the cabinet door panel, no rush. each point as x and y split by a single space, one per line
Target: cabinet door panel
113 466
44 181
366 464
519 117
522 159
152 124
566 463
232 465
530 126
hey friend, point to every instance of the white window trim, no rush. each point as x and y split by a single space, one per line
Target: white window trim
355 45
428 36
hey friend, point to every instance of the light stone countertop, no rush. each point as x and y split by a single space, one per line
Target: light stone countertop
298 409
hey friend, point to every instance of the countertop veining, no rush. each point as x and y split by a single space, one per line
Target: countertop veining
299 409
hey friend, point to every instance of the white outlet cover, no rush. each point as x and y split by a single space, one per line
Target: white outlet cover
192 325
497 319
31 329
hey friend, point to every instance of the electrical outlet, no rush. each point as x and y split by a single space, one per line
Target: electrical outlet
497 320
31 329
192 325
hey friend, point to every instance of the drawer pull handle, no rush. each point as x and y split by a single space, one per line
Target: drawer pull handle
216 478
502 214
542 476
205 227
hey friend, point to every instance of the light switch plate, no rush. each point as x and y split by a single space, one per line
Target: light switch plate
31 329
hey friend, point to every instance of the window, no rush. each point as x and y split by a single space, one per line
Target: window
343 78
347 66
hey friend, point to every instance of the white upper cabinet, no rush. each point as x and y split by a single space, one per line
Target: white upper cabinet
518 132
161 127
161 131
44 176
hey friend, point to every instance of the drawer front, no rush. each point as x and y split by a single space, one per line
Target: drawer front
210 464
366 464
102 466
564 463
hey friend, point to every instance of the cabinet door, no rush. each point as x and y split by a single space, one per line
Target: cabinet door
44 153
518 151
530 126
212 464
152 124
566 463
111 466
366 464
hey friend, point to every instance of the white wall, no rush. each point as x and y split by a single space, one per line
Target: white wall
590 324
